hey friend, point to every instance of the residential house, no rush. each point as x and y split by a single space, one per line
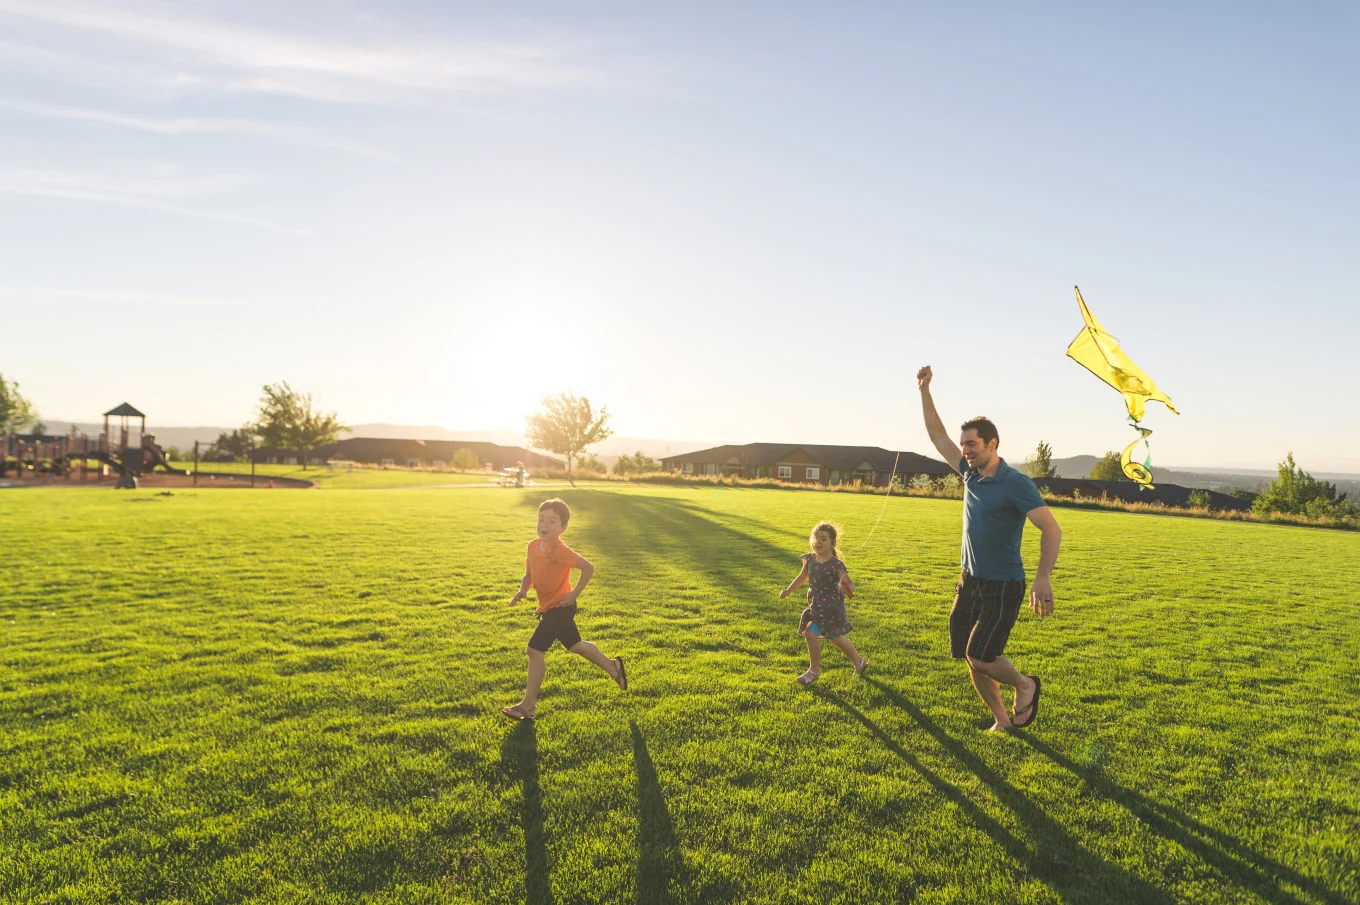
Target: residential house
808 463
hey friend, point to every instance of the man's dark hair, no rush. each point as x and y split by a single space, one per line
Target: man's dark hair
986 430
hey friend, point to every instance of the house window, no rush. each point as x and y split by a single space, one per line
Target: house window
689 468
290 460
786 471
710 469
814 474
389 461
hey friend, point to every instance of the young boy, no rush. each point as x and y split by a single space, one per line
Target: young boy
547 566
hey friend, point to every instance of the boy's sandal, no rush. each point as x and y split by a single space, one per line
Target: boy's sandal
863 665
622 677
808 677
515 712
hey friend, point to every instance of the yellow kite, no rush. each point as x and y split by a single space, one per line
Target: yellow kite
1098 352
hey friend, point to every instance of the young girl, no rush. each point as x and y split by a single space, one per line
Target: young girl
828 585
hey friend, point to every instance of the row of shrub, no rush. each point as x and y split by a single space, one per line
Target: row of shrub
951 488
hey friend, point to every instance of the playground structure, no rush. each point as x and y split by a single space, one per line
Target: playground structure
118 450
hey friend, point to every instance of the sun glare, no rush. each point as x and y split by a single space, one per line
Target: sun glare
497 370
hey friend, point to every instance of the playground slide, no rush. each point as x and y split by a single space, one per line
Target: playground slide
107 459
153 455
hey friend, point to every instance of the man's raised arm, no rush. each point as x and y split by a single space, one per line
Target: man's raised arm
948 449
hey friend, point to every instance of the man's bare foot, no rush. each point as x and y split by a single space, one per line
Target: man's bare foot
1000 728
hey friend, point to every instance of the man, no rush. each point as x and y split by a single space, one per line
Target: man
996 501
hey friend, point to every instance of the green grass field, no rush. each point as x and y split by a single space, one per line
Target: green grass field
241 697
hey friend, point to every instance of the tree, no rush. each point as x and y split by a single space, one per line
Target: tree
16 412
1297 492
590 463
1200 499
566 425
289 420
236 444
466 460
39 427
1108 469
1040 465
635 464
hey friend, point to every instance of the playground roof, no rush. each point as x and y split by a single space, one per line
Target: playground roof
125 409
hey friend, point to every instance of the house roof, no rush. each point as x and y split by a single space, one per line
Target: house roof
124 409
444 450
372 449
840 458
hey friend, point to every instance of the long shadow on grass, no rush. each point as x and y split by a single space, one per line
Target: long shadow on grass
660 864
1051 854
636 531
519 759
1249 869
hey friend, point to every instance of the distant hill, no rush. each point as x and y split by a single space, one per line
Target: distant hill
182 437
1074 466
608 451
1223 481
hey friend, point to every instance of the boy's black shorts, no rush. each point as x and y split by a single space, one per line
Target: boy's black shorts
557 624
983 614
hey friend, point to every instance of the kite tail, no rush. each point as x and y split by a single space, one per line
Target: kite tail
1138 472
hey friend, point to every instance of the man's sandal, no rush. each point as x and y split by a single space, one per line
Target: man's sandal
515 712
808 677
622 676
1031 710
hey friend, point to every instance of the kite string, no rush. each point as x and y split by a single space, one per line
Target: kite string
891 477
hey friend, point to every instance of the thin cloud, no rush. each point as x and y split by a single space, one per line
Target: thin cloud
192 125
153 195
209 54
132 297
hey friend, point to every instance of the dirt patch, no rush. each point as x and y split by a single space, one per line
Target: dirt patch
159 480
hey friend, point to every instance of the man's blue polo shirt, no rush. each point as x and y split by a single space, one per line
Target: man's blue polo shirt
993 519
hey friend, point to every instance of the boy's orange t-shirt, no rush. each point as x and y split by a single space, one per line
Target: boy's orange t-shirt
550 572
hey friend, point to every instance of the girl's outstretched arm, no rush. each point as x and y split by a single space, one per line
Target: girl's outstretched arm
797 583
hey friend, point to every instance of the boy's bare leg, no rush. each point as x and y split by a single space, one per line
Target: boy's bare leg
848 648
538 665
596 656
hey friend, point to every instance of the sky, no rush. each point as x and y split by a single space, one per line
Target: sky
728 222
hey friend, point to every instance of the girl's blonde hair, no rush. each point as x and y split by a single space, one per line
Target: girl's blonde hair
831 530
